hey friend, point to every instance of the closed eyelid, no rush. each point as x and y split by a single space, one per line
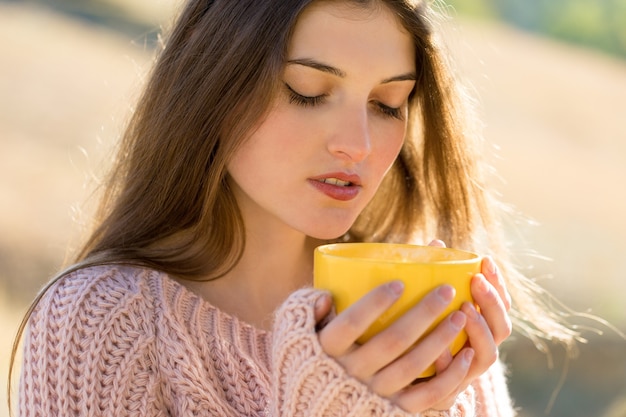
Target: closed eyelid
303 100
395 94
295 90
390 111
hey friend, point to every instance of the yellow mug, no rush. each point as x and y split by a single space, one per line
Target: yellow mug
350 270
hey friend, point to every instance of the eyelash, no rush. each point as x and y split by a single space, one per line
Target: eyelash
306 101
392 112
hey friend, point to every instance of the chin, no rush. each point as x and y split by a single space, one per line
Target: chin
330 227
329 234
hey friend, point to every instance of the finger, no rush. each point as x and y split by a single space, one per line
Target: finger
491 307
443 361
449 401
491 271
322 308
393 342
446 385
407 368
480 339
342 332
438 243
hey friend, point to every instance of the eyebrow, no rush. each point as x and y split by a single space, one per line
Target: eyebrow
409 76
318 66
311 63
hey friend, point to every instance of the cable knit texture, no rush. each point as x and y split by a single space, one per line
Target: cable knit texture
122 341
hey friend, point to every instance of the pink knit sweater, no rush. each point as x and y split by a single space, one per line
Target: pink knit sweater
122 341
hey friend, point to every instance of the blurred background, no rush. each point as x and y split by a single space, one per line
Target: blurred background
550 79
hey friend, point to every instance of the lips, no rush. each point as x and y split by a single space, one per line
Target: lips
338 186
339 178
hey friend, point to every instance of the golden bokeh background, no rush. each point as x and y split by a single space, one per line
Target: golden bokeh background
555 128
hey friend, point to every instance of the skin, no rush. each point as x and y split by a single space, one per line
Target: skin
381 362
343 110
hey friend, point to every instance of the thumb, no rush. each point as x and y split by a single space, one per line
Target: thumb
322 307
437 243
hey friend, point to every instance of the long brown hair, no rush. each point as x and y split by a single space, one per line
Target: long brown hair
167 204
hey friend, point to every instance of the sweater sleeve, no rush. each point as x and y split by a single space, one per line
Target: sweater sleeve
492 394
89 349
307 382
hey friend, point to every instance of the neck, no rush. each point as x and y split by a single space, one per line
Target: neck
273 265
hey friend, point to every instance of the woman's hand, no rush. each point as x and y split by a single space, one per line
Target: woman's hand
389 362
381 362
490 325
486 327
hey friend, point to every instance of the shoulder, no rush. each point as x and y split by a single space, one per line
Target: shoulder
106 286
94 300
124 297
92 339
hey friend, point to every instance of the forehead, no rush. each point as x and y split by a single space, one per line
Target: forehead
338 29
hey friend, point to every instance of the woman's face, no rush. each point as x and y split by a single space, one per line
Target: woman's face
337 124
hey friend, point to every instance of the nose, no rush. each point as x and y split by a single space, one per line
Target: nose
351 139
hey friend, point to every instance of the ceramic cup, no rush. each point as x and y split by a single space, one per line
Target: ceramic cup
350 270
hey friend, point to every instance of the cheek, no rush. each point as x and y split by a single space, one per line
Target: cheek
281 129
270 147
389 145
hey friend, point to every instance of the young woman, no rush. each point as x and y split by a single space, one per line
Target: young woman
266 129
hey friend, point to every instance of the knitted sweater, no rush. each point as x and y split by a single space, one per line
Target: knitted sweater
122 341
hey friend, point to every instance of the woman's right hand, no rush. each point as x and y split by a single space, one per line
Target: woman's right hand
390 362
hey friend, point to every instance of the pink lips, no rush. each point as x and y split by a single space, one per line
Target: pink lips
338 185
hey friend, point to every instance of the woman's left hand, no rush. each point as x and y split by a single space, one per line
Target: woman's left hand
487 327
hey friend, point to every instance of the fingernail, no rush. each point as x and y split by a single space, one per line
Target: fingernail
468 355
319 303
437 243
469 310
446 293
458 320
396 287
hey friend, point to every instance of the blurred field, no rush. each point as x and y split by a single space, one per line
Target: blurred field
555 113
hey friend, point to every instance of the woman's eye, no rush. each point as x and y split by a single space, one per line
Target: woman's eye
302 100
392 112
